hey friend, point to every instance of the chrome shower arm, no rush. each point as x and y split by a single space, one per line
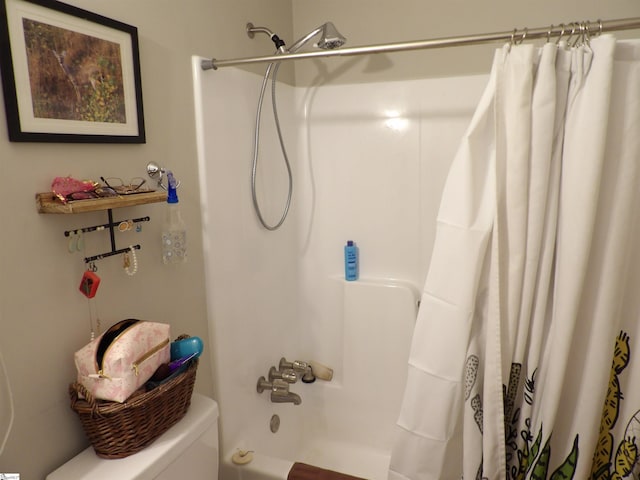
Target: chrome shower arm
252 30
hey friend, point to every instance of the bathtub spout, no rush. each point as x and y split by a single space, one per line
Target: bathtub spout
288 397
279 391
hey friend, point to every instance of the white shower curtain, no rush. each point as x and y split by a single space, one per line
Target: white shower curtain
525 360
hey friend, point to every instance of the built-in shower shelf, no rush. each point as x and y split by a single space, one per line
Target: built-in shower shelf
48 203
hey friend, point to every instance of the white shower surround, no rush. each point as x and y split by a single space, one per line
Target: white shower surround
369 163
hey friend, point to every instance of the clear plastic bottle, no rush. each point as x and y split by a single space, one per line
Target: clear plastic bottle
174 230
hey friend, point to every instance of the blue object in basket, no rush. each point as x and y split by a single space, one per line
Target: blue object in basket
186 347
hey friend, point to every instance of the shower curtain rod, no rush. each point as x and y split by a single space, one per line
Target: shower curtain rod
515 36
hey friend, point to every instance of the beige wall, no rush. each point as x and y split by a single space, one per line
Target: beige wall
43 318
367 22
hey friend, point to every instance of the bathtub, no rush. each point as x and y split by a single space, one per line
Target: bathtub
346 424
340 457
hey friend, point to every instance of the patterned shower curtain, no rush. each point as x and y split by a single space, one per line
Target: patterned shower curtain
525 362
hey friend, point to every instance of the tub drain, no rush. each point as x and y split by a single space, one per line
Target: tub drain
274 424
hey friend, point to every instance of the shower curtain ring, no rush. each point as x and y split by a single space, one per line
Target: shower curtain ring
513 37
580 37
549 32
587 34
573 31
561 33
524 35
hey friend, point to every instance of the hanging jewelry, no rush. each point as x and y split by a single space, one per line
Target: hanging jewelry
80 242
76 241
88 287
125 225
131 262
91 329
71 244
93 312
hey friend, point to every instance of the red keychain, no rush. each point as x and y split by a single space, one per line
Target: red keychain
89 284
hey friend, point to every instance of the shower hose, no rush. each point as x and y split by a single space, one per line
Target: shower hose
256 143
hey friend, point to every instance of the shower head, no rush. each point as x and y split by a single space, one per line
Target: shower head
329 39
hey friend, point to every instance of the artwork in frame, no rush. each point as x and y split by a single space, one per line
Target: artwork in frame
69 75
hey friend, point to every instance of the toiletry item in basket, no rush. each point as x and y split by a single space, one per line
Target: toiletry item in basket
167 371
176 364
123 358
185 347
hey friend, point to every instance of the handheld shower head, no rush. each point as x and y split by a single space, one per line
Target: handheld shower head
329 40
331 37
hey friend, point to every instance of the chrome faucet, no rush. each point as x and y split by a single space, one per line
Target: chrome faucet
279 391
288 397
301 368
288 375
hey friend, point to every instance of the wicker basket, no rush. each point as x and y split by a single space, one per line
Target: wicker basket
117 430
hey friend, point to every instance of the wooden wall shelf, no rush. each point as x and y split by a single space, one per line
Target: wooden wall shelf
48 203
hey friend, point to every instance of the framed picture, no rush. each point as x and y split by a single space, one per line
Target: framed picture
69 75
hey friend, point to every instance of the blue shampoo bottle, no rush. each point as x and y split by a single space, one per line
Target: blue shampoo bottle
351 269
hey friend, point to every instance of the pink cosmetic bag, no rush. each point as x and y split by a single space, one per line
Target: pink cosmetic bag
123 358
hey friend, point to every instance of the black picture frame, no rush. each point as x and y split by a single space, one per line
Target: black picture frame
69 75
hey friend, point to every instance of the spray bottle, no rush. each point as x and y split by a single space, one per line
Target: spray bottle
174 231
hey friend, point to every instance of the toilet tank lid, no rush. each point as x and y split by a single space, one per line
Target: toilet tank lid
202 415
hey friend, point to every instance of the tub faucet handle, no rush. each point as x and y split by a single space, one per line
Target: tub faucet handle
303 369
288 375
296 365
308 371
277 386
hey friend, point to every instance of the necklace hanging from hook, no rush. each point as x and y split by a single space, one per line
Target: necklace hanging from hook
130 261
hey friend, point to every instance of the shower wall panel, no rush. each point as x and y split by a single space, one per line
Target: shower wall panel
251 273
369 163
372 165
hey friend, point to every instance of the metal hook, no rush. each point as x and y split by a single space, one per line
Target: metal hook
518 41
561 33
586 34
573 31
580 39
524 35
157 172
513 37
549 32
578 29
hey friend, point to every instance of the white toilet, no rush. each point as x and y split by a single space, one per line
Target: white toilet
189 449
